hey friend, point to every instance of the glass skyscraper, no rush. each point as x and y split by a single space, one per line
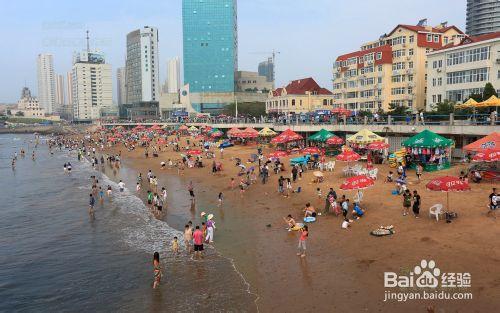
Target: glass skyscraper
210 38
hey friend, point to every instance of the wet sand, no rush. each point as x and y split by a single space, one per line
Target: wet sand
343 270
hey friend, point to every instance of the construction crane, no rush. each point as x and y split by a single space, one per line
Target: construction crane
273 56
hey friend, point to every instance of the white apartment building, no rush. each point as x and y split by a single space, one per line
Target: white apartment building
173 75
92 86
142 65
121 85
463 68
46 82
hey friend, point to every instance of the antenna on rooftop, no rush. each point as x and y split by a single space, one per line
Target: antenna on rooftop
88 44
422 22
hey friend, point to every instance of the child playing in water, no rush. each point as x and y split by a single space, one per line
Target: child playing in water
157 270
175 245
221 196
188 237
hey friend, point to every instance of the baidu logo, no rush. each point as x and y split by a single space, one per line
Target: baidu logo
426 275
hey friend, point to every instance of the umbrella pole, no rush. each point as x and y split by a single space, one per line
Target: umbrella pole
447 201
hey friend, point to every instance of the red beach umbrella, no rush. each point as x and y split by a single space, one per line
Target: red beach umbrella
335 141
489 155
348 156
311 150
244 134
379 145
447 184
144 138
286 136
194 152
278 154
357 182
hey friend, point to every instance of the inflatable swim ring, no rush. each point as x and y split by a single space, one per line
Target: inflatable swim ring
309 219
297 226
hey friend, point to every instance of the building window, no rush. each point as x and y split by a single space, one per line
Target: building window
439 99
429 38
293 102
412 39
379 55
445 40
436 38
325 102
440 81
410 64
410 52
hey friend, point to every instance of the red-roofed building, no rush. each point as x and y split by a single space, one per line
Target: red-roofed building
462 68
299 96
391 69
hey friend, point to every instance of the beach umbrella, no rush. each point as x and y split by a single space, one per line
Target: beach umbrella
194 152
357 182
112 139
364 137
321 136
277 154
286 136
267 132
193 129
145 138
311 150
162 141
335 141
341 111
447 184
215 133
348 156
155 127
233 131
380 145
251 131
244 134
492 141
488 155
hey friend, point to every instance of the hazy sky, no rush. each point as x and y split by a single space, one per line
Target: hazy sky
308 33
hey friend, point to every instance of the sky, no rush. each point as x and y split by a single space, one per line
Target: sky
309 34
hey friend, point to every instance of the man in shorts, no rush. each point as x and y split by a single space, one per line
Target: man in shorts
198 242
494 199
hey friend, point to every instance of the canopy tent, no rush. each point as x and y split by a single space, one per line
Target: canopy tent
183 127
427 139
492 101
286 136
321 136
487 156
155 127
335 141
429 149
471 103
492 141
364 137
267 132
251 131
193 129
342 111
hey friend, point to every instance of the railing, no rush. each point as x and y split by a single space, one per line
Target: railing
441 120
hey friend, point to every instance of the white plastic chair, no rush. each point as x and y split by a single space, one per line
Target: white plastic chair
436 210
373 173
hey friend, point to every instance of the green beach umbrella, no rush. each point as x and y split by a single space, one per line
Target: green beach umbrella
321 136
427 139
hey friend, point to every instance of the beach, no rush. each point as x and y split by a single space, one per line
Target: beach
344 269
254 261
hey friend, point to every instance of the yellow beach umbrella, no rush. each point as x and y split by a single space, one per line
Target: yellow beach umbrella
193 128
267 132
364 137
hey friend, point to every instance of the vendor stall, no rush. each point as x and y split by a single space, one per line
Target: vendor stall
289 141
370 145
429 149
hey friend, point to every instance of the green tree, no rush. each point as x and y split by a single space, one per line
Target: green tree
252 109
19 113
489 91
445 107
398 109
476 96
364 113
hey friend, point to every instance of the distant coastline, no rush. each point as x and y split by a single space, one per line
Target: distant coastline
41 129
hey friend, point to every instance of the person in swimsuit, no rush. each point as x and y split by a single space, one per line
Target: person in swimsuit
156 270
109 191
91 205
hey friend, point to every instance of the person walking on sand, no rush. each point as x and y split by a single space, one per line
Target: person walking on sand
210 229
328 202
406 202
416 203
304 233
419 171
494 199
220 199
156 270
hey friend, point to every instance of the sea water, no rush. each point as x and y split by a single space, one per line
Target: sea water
54 258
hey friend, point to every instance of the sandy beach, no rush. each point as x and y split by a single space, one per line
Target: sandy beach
344 269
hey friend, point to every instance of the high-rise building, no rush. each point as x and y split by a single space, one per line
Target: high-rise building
92 86
483 16
173 75
121 85
46 82
142 80
69 88
210 39
60 98
390 71
266 68
25 93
